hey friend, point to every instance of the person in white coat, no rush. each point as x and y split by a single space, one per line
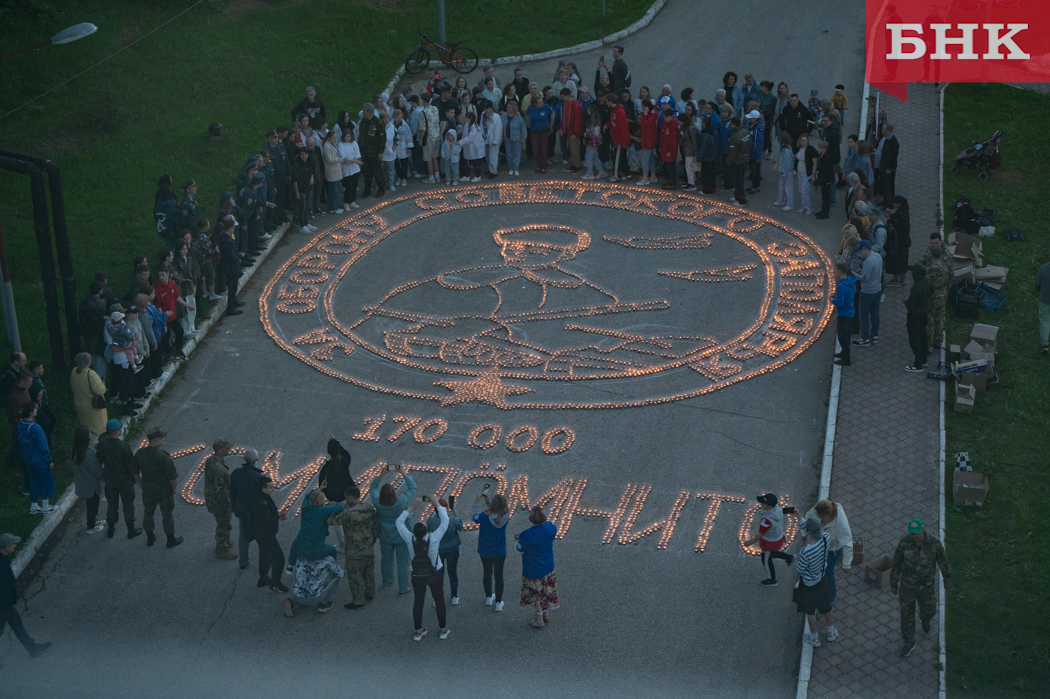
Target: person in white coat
427 568
390 151
351 154
473 144
834 523
403 149
492 126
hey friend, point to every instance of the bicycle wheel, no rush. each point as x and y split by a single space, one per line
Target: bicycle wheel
417 61
461 59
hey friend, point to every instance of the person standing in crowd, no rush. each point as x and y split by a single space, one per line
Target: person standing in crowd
360 526
37 457
89 394
492 133
898 240
302 188
918 305
811 591
403 147
770 536
427 567
516 136
311 106
541 118
757 129
118 471
9 615
845 291
333 170
334 477
242 491
87 477
830 131
870 278
229 264
833 522
266 520
786 167
707 155
188 213
739 155
794 119
913 578
939 270
669 149
389 506
492 544
808 159
156 475
351 166
825 179
431 138
450 155
885 165
168 301
449 548
687 143
217 499
539 584
372 141
1042 289
389 157
473 147
571 125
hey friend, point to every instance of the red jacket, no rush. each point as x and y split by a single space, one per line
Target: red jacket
165 299
572 118
650 132
621 135
669 140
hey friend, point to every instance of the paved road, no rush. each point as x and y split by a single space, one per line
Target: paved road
635 620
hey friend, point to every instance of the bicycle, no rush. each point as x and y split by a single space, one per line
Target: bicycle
457 57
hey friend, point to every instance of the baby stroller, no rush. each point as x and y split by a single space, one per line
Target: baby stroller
982 157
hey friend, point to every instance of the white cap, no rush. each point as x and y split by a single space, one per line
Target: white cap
753 114
116 316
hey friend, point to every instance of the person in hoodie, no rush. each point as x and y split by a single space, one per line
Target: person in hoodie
845 291
669 149
621 138
918 305
492 543
770 536
449 548
450 152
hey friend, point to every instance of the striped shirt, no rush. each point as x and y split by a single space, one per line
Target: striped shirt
812 559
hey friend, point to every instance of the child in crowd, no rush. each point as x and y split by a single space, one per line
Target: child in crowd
168 300
786 167
814 103
188 292
648 137
450 151
204 249
120 334
592 137
839 100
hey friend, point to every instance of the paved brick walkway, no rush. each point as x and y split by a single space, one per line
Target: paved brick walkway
886 454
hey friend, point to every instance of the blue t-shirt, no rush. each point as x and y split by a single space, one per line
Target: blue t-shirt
539 116
536 545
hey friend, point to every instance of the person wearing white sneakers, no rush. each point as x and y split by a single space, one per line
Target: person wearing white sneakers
473 145
786 167
492 543
402 148
811 590
389 151
87 477
427 568
333 170
807 158
37 457
449 549
516 135
351 154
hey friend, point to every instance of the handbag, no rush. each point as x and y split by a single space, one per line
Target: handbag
98 402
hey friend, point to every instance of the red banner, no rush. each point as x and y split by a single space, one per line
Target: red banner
995 41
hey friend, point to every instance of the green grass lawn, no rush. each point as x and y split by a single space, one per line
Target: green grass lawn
998 619
143 113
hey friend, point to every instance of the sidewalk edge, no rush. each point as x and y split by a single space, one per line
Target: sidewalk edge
637 26
942 672
36 540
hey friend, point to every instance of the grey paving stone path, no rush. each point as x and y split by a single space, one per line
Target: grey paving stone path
886 454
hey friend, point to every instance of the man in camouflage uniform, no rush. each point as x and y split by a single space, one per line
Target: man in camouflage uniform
914 578
217 498
372 141
939 270
361 529
118 472
156 475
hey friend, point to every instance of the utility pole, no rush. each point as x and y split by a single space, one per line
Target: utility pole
603 9
441 21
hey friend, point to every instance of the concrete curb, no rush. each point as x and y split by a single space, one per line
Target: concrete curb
36 540
642 23
942 673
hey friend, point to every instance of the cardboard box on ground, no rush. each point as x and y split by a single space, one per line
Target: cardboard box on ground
968 261
969 488
976 365
877 573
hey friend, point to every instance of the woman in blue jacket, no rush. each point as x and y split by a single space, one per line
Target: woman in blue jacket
389 507
492 544
37 457
539 586
309 543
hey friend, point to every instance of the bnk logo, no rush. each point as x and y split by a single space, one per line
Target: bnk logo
943 41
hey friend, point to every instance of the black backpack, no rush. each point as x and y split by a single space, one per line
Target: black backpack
422 569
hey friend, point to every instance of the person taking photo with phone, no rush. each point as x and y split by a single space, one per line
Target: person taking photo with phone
389 506
427 568
492 542
449 548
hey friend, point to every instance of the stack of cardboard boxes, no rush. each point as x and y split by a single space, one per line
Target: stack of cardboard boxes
975 369
967 259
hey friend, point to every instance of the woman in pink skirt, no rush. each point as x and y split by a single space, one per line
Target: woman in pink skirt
539 586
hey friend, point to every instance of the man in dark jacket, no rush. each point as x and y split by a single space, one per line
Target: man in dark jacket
334 477
884 163
311 106
229 263
156 474
918 304
265 519
243 489
9 597
825 178
10 375
372 142
795 120
118 471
